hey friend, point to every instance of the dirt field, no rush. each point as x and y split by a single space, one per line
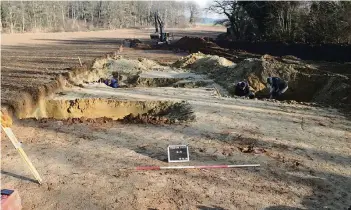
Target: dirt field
304 151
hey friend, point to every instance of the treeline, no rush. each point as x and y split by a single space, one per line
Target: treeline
284 21
55 16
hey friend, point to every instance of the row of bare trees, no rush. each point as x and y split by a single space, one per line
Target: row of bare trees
298 21
33 16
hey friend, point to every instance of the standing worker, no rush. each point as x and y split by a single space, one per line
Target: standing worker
277 87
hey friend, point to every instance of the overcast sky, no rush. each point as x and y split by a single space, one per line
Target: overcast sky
204 4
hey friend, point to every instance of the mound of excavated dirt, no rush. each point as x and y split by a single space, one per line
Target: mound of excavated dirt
194 43
148 73
126 70
175 113
305 83
203 63
137 44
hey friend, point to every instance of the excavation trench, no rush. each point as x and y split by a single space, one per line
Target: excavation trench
306 83
122 110
66 101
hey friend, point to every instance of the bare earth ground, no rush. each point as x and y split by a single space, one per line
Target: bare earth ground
307 163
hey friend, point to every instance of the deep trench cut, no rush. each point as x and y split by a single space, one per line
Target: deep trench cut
132 110
90 98
306 83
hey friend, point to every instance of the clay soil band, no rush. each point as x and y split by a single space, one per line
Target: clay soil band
100 107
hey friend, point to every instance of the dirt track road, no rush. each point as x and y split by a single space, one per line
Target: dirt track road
306 164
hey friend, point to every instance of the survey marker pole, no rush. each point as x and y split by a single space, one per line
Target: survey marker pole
23 155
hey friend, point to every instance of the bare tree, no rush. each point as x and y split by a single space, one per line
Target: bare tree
318 22
24 16
194 11
237 19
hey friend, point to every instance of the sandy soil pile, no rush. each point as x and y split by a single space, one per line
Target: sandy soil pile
129 65
203 63
110 66
148 73
306 83
137 44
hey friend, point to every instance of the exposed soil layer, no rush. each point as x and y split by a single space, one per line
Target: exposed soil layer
306 82
194 44
143 73
303 152
30 66
131 73
91 108
89 163
174 113
326 52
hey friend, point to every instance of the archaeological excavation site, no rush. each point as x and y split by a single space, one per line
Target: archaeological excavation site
90 123
82 91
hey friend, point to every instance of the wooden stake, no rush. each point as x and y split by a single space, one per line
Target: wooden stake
217 91
23 155
80 62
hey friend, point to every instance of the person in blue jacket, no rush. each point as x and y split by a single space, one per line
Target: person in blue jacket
112 83
277 87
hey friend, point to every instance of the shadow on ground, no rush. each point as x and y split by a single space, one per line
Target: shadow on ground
210 208
327 188
18 176
281 208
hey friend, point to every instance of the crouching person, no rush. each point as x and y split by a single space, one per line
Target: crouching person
242 89
112 83
277 87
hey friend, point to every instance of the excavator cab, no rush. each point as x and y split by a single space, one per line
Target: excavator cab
160 35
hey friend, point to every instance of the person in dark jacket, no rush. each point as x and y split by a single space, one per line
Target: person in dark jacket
243 89
277 87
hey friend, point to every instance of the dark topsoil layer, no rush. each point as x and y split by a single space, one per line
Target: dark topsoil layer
321 52
226 48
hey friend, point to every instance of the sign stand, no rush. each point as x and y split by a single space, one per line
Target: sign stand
178 153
